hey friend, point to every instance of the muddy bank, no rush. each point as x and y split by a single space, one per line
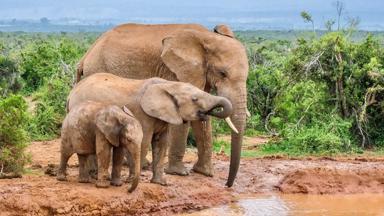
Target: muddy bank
40 194
333 181
45 196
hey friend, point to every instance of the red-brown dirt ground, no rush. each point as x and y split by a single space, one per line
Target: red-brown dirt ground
37 193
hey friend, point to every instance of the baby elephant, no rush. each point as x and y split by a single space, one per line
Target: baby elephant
94 128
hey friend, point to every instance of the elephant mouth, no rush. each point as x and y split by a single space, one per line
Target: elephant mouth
215 110
203 116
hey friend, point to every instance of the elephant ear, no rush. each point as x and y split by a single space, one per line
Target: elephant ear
183 54
108 122
224 30
159 103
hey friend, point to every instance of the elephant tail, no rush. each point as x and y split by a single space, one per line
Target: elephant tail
67 106
80 70
80 65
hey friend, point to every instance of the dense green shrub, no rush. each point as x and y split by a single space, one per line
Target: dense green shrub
43 59
353 74
300 104
315 81
9 76
13 136
321 138
50 110
39 61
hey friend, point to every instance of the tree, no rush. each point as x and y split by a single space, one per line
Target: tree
339 9
308 18
329 23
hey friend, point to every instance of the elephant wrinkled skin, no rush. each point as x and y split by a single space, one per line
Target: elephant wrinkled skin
209 60
94 128
155 103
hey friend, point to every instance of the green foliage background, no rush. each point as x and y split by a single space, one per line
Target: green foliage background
36 75
318 94
13 134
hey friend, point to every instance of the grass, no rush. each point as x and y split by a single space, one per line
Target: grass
222 146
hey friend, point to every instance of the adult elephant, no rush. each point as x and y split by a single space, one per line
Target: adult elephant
180 52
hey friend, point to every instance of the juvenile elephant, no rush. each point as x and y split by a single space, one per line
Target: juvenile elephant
94 128
210 60
155 102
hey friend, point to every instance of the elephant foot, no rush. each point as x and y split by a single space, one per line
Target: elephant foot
177 168
146 165
102 184
205 169
84 180
61 177
116 182
160 181
93 174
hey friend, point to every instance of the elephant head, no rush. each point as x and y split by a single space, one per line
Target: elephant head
121 128
213 61
178 102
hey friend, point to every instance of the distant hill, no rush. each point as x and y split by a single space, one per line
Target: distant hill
79 15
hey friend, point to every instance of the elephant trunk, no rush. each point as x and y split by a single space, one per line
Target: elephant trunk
226 106
135 182
137 168
239 119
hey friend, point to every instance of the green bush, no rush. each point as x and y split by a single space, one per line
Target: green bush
9 78
300 104
43 59
50 109
13 136
320 138
42 65
38 62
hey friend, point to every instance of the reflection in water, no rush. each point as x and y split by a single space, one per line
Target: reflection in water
298 204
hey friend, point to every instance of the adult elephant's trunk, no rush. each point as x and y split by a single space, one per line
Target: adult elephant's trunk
238 118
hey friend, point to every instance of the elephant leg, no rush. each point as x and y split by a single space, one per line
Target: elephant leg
145 143
177 138
91 165
159 149
62 171
83 171
203 134
146 164
117 162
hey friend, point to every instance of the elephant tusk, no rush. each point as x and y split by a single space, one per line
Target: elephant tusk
248 114
230 124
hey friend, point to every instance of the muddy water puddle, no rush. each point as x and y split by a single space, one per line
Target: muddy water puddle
292 204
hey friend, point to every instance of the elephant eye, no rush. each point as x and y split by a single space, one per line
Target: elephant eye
194 98
223 73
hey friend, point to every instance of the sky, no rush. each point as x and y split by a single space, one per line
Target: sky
267 13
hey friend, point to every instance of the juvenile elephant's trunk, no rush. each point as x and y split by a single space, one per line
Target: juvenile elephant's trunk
135 181
226 106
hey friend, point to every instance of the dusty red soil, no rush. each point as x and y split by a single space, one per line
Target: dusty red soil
37 193
334 181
